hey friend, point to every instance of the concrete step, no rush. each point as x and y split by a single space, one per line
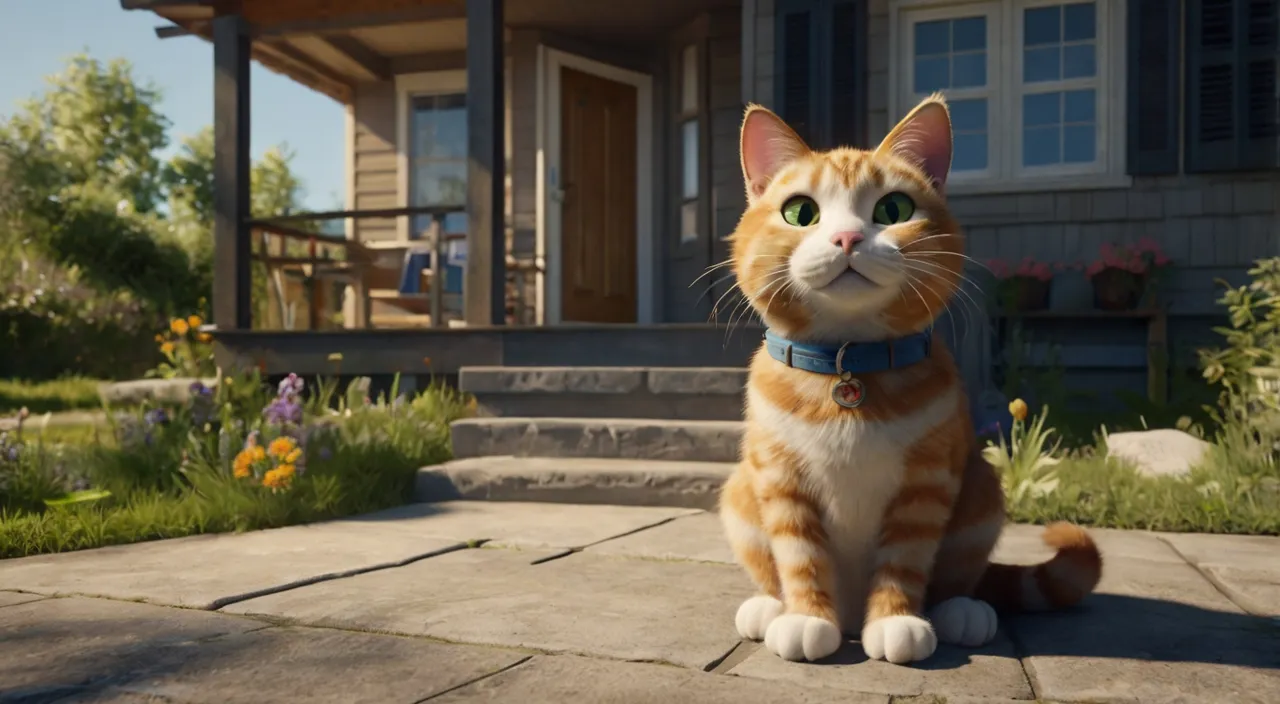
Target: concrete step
614 438
693 393
615 482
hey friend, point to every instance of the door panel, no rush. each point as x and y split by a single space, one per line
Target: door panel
598 212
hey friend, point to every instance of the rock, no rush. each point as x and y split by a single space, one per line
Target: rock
1158 453
137 391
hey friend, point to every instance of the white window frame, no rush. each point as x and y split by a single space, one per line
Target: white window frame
408 87
1004 92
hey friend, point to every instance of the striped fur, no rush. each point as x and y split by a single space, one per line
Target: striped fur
858 520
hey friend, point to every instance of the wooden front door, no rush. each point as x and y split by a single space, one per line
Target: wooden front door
598 211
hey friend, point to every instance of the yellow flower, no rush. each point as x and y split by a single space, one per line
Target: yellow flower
258 453
242 466
166 347
204 337
294 456
281 447
179 326
159 338
1018 409
288 469
277 478
194 321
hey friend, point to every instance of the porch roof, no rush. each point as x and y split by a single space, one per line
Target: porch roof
331 46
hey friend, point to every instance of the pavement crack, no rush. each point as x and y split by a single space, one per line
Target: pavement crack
739 652
474 680
218 604
641 529
1214 581
1028 670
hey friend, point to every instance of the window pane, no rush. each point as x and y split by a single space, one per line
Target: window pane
689 221
1041 146
969 70
968 115
1041 109
1042 26
1078 106
1078 61
439 126
1079 22
439 182
969 34
1041 65
970 152
689 80
932 74
689 147
933 37
1079 144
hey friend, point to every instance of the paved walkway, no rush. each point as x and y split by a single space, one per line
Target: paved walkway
534 603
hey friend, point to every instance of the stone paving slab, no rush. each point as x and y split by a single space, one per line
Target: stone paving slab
1247 567
54 644
15 598
680 613
564 678
1155 632
126 652
206 571
698 537
1022 544
990 671
516 524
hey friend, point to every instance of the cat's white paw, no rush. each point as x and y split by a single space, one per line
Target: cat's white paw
964 621
797 637
755 615
899 639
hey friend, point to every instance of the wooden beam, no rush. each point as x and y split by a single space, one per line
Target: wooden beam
310 16
485 284
231 232
347 54
160 4
294 62
174 31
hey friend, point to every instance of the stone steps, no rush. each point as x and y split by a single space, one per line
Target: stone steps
574 480
697 393
600 438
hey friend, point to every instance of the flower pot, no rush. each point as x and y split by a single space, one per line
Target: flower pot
1117 289
1029 294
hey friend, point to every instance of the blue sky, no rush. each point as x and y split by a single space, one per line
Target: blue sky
37 36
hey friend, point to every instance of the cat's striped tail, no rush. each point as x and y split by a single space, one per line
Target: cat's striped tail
1064 580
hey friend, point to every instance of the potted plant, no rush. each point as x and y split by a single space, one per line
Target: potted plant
1024 288
1124 274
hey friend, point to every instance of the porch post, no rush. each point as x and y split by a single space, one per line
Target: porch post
231 275
484 292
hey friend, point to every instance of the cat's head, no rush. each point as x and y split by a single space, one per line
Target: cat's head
848 244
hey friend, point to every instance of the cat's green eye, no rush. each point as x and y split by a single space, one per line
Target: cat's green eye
892 209
800 211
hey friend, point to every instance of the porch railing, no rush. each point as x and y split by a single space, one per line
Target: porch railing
292 244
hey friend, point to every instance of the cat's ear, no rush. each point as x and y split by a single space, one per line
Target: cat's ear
923 137
768 144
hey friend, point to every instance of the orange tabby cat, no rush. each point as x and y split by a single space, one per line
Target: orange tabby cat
862 497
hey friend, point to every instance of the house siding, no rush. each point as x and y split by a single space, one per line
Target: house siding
374 162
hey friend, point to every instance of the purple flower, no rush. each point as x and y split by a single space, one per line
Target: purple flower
292 385
325 453
156 416
283 410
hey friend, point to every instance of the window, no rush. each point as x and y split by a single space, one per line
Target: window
1028 85
689 144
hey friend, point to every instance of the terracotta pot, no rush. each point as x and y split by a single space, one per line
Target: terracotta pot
1117 289
1029 293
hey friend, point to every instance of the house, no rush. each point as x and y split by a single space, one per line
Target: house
593 146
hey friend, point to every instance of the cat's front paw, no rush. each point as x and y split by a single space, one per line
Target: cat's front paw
964 621
755 615
899 639
797 637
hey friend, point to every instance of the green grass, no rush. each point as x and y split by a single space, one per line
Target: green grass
366 462
68 394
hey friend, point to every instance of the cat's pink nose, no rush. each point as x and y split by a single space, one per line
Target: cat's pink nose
846 240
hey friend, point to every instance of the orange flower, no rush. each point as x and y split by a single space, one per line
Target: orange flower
294 456
204 337
179 326
279 477
194 321
1018 409
242 466
281 447
166 347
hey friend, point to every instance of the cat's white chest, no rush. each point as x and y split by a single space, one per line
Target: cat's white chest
854 468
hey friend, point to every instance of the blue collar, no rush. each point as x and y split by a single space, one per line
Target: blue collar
851 357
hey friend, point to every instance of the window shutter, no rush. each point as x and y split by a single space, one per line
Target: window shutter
1231 85
796 58
1153 99
847 39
